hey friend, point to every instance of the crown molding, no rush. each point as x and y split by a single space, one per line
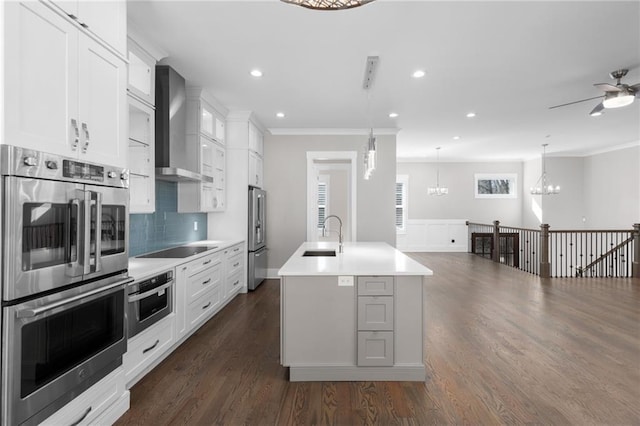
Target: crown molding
331 131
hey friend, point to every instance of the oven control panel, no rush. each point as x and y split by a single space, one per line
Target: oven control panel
16 161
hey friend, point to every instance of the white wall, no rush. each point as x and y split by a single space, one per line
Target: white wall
460 203
285 177
566 209
612 189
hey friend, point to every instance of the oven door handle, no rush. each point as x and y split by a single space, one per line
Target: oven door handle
86 233
98 234
136 297
34 312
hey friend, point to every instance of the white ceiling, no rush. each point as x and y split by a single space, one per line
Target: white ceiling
507 61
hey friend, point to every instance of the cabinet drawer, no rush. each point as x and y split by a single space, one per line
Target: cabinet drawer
234 283
148 346
235 264
232 251
375 286
204 307
203 281
89 405
375 312
200 264
375 348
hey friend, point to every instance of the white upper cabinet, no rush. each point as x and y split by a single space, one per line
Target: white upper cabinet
256 140
103 108
71 96
141 157
142 73
106 20
202 117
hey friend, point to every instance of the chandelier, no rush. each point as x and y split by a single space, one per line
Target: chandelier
542 188
328 4
438 190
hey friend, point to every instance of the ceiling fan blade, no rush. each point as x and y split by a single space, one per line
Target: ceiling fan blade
606 87
575 102
635 89
597 110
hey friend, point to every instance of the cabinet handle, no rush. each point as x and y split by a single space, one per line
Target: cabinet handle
150 348
236 249
235 265
205 282
83 25
206 306
86 413
76 137
207 262
85 129
236 283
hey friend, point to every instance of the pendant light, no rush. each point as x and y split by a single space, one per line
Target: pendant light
370 149
328 4
542 187
438 190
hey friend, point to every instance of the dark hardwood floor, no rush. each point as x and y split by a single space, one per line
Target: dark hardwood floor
502 347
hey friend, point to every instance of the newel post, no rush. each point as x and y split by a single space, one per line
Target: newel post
545 266
496 241
635 265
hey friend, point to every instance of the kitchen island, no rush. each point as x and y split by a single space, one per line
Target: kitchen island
355 315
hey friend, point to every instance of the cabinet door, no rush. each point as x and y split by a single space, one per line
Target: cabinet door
207 157
375 312
255 170
106 19
375 348
208 201
103 105
40 79
142 73
207 120
220 132
142 196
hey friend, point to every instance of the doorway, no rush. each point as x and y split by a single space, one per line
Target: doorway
331 190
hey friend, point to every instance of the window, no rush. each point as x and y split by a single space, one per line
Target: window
322 203
501 185
402 181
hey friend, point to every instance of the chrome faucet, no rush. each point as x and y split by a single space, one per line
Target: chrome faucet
339 232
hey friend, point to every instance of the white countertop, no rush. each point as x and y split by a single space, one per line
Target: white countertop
359 258
143 268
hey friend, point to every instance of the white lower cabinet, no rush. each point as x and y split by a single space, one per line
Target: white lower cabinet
146 347
107 399
204 306
375 321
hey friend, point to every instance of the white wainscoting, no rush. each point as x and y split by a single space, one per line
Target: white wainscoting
441 235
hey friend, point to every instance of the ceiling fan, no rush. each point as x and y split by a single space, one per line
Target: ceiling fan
616 96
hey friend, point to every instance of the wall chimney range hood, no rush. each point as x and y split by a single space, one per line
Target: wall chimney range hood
171 117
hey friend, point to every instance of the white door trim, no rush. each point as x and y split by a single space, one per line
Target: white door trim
352 157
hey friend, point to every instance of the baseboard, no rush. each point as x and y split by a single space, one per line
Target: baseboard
333 373
433 249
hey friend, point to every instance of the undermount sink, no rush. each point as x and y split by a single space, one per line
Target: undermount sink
319 253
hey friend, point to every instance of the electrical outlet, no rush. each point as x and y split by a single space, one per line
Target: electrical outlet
195 225
345 281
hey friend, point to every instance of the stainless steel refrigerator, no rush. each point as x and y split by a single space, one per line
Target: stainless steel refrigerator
257 247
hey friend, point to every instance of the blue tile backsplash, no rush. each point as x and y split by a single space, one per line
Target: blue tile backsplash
166 227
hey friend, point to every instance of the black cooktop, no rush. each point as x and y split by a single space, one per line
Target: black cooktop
177 252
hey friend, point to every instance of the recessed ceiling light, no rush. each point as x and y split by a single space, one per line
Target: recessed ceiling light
280 115
455 138
419 74
471 115
393 114
256 73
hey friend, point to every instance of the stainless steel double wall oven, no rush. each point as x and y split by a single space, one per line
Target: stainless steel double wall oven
64 275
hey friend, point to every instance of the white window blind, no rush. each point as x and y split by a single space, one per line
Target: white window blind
322 203
401 202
